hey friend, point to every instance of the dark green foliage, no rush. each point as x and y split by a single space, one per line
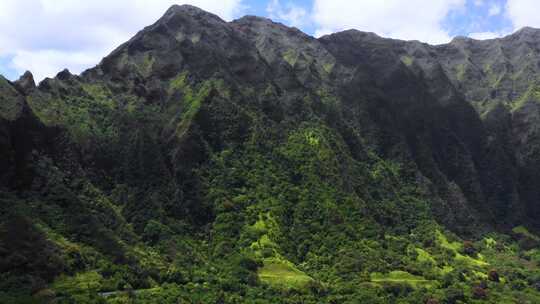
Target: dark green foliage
28 259
213 162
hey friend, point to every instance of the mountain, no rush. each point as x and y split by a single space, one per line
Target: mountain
206 161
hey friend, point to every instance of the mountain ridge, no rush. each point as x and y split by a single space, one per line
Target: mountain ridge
188 9
243 160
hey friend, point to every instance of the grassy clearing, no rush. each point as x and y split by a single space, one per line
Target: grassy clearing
277 271
283 274
80 283
456 247
424 256
443 242
471 261
400 277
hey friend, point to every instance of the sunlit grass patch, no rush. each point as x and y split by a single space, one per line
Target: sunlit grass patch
446 269
471 261
283 274
456 247
424 256
490 242
80 283
399 276
443 242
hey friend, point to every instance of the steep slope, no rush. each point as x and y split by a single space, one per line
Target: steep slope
421 118
225 162
498 78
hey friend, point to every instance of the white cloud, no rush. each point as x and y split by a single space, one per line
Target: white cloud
45 63
46 36
478 2
409 20
494 10
486 35
292 14
523 13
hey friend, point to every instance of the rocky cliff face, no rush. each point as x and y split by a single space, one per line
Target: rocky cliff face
498 78
406 100
197 126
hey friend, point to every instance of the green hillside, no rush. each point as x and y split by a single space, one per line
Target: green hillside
206 161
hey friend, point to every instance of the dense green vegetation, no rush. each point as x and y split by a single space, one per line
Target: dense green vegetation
287 227
232 180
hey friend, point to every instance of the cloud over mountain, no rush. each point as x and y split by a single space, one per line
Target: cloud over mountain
46 36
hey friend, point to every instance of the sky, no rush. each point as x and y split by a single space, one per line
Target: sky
46 36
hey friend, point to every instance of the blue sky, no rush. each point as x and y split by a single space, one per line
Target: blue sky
46 36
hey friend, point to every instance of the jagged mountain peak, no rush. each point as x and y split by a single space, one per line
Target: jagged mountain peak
460 40
527 30
26 83
224 162
357 35
251 19
524 36
256 23
185 8
65 74
185 35
187 11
